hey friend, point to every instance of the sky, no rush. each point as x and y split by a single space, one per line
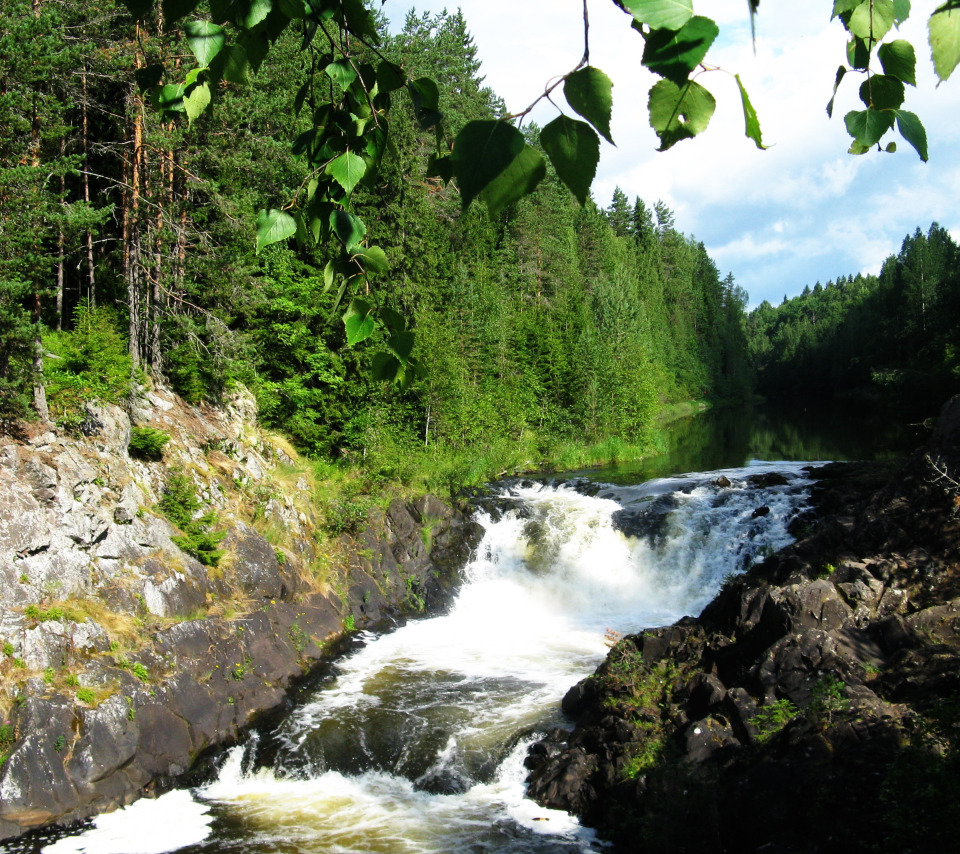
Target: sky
802 211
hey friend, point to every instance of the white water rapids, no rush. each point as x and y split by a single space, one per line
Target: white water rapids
417 743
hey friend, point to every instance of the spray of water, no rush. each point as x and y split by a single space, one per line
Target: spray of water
418 743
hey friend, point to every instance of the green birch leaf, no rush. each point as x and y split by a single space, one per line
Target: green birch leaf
677 112
944 37
302 94
347 170
867 126
301 145
589 92
319 217
328 274
675 53
358 321
574 150
882 92
841 73
386 367
426 101
358 19
374 260
252 12
273 226
519 179
149 77
169 99
390 77
255 46
349 228
425 93
912 130
660 14
901 11
750 120
393 320
174 10
341 72
858 53
440 167
841 7
481 152
232 65
302 235
899 60
872 19
292 8
400 343
139 8
196 102
205 40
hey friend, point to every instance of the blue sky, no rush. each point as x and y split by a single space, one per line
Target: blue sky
800 212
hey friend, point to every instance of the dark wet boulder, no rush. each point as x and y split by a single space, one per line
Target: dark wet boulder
646 520
791 715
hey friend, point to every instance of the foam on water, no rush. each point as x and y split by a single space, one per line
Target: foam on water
172 821
461 695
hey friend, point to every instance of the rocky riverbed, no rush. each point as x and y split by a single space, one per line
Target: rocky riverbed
125 658
814 706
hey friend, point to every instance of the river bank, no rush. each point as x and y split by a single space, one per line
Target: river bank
128 653
813 706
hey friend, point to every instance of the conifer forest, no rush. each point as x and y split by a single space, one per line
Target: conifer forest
128 256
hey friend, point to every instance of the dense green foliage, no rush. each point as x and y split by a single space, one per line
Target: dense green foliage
346 88
890 338
146 443
181 505
517 330
550 322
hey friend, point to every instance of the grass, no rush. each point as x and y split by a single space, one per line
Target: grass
644 754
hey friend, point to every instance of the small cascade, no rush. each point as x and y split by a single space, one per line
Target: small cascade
417 743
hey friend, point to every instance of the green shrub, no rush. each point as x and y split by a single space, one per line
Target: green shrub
141 672
826 700
146 443
180 505
6 742
89 362
55 613
773 718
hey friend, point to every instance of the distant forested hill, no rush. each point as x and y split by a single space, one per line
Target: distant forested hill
127 250
887 339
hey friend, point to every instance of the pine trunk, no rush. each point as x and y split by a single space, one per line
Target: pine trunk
91 280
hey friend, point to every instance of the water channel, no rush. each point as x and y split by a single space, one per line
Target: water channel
414 740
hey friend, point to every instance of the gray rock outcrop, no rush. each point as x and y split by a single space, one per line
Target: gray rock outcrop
125 658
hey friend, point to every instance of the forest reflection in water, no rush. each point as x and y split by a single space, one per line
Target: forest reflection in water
731 436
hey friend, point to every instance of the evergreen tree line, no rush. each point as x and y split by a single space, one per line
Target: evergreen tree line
127 256
891 339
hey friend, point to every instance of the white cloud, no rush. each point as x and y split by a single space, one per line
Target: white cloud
800 212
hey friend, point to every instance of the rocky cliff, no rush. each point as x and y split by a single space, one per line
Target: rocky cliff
814 706
124 656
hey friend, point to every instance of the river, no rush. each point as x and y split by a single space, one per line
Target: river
414 740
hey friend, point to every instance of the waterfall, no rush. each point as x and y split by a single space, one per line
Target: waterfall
417 741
